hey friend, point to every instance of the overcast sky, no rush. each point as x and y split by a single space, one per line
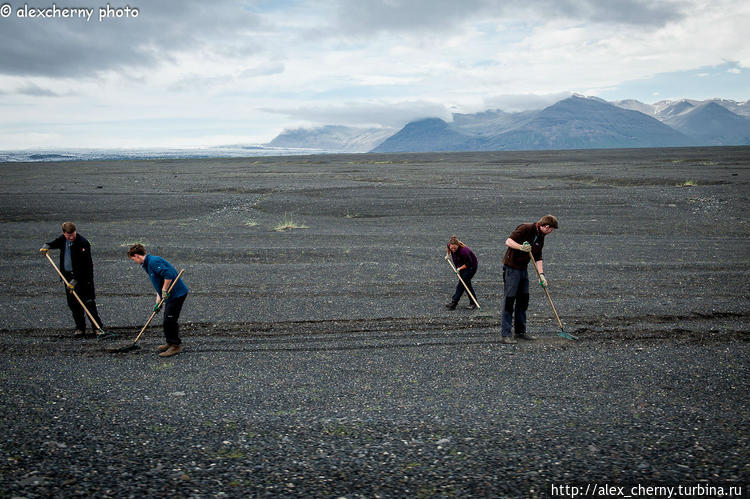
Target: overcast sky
188 73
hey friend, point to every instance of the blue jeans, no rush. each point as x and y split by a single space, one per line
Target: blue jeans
516 291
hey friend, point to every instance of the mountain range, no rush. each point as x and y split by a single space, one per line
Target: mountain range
576 122
335 138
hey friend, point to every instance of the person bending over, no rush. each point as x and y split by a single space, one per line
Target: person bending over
162 273
466 264
525 240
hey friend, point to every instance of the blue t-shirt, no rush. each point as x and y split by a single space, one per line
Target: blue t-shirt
158 269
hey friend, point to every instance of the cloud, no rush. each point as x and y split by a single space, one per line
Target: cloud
699 84
648 13
523 102
32 90
37 91
76 47
395 114
409 16
263 70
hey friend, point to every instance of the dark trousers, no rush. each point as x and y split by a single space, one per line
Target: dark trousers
172 309
516 302
466 274
85 291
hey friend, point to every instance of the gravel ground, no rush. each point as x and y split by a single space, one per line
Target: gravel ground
320 362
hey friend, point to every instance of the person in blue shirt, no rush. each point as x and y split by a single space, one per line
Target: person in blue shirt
162 273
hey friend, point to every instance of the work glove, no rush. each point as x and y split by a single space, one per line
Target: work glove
542 281
157 307
526 247
72 284
44 249
164 294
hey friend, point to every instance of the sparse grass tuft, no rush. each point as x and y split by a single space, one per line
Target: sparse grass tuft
230 454
688 183
128 244
251 223
288 223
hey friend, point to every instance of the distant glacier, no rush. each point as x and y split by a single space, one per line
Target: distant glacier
62 154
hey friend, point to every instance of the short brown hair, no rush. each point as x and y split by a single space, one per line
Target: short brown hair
548 220
136 249
69 227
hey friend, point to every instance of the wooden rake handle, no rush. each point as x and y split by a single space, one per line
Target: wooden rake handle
93 321
533 262
161 302
462 282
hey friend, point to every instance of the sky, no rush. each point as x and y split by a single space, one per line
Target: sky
172 74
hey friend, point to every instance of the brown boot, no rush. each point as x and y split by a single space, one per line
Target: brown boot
79 334
164 347
172 350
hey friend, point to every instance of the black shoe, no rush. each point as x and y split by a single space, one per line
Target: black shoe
471 306
79 334
508 340
451 305
524 336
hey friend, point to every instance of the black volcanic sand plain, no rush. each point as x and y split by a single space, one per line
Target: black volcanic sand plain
320 361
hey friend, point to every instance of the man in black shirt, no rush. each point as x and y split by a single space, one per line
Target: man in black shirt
78 268
527 238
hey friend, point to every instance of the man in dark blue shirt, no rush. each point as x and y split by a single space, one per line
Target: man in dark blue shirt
162 273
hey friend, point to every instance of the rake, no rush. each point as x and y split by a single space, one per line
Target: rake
462 282
135 345
562 332
102 334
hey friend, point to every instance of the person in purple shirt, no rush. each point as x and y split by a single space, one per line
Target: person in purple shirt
465 262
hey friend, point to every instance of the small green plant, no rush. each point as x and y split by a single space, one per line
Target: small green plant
251 223
128 244
340 430
688 183
288 223
230 454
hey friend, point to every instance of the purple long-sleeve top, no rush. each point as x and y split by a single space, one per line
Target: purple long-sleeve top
464 256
